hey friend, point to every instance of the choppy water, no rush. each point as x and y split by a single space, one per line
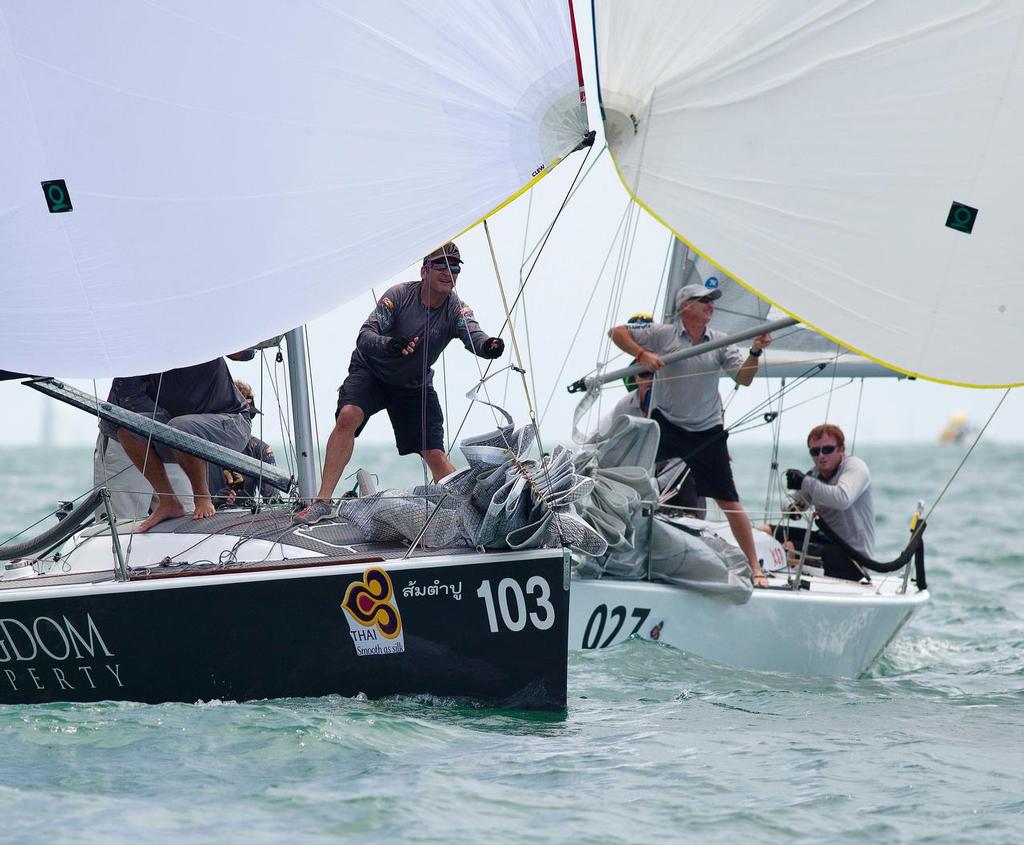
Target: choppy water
656 744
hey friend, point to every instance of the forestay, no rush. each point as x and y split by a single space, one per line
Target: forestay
856 164
231 170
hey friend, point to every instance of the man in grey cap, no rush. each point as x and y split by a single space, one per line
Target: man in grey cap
391 370
687 405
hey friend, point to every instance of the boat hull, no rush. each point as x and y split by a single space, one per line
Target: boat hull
838 634
484 628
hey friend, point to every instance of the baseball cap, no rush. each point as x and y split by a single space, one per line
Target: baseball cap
449 251
697 292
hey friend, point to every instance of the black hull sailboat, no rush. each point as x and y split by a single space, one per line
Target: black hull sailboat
480 628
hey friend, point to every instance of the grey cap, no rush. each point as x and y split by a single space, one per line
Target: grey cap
448 252
697 292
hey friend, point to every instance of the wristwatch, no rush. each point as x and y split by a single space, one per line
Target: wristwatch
756 353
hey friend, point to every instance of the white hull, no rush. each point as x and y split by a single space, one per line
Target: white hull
836 629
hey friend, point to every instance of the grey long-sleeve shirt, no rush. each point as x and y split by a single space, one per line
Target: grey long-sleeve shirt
844 500
399 313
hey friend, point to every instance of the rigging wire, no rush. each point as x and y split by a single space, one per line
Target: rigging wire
967 454
533 266
856 418
311 398
586 310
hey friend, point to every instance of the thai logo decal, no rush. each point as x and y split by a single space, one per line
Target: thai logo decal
374 621
656 630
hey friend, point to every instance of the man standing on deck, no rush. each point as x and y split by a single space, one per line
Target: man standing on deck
839 488
687 404
200 400
391 370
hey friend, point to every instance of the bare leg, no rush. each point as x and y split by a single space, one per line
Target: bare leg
149 464
195 469
438 462
739 522
339 449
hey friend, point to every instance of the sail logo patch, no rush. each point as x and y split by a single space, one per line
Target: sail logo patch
371 608
961 217
711 283
57 198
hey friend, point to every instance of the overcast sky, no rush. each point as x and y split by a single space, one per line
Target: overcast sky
568 275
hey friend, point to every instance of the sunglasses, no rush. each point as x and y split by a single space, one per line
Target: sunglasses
454 266
821 450
704 299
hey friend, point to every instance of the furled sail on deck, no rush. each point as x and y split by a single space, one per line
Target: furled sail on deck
858 164
179 180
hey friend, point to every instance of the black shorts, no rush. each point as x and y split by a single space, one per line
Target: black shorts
705 452
415 412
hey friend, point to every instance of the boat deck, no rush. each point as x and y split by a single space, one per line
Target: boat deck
231 541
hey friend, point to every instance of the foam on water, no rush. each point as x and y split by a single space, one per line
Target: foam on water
656 743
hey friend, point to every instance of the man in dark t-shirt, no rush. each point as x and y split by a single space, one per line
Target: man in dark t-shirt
391 370
200 400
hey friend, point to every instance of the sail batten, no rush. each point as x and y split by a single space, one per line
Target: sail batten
855 164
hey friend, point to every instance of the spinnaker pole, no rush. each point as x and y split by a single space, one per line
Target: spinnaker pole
603 378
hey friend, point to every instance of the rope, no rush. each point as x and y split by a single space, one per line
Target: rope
963 460
539 250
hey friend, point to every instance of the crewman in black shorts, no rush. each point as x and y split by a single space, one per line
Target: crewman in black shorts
687 405
391 370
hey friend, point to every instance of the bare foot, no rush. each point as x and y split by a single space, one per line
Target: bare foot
169 508
204 507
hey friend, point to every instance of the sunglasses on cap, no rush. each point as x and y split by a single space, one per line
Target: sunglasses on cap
822 450
453 266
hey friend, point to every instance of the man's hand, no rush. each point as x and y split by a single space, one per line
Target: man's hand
792 509
760 342
794 479
399 346
651 361
494 347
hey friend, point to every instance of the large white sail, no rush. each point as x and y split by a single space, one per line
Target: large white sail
856 163
170 169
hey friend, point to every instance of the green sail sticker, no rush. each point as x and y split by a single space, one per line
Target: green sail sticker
57 198
961 217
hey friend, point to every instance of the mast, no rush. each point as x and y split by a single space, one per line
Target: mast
307 467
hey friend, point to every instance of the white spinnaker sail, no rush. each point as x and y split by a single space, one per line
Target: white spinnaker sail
796 351
815 151
236 168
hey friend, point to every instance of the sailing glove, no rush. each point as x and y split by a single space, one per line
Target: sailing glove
395 346
794 479
493 348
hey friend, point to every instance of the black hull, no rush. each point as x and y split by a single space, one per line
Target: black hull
286 634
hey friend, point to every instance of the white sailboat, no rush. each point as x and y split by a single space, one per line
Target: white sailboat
852 164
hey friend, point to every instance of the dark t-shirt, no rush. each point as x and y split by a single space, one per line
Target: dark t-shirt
399 313
199 389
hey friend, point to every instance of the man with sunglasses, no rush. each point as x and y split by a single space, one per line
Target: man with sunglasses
687 405
391 370
839 488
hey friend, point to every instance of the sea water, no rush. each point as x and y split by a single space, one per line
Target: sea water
656 745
